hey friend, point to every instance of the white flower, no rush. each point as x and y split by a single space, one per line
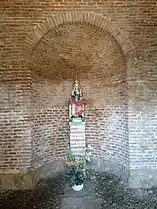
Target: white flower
89 147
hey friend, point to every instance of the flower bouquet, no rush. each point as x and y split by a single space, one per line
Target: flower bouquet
76 169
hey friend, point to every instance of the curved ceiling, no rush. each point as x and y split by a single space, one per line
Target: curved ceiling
80 49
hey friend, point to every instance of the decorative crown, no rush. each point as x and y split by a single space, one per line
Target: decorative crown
76 87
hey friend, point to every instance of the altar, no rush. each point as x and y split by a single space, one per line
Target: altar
77 121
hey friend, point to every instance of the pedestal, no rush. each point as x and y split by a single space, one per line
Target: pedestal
77 138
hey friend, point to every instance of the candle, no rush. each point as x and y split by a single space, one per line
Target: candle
83 111
69 111
73 109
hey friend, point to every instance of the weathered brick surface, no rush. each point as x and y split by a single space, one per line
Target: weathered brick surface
49 134
114 51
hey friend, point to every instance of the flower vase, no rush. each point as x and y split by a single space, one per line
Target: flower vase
77 187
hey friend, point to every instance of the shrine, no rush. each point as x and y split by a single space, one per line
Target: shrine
109 124
77 120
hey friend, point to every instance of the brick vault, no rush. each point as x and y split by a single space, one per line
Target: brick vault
92 47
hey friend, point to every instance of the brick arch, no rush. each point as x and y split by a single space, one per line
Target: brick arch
103 23
51 23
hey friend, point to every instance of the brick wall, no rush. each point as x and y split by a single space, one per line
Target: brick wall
111 54
50 132
15 118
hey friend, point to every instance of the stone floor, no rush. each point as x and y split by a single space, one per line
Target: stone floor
101 191
47 195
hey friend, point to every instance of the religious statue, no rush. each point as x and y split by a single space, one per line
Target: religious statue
77 103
